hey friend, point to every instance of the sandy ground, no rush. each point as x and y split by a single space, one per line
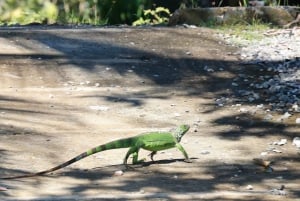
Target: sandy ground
65 90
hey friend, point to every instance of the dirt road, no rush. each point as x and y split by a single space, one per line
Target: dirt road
65 90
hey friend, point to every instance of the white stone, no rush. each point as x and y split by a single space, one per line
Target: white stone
118 173
249 187
99 107
296 142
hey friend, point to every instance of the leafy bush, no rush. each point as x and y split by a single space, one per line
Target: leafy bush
72 11
158 16
24 12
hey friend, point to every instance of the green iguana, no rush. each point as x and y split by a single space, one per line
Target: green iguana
152 141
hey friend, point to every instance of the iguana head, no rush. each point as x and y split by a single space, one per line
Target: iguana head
180 131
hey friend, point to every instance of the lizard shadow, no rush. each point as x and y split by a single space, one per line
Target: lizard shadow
106 170
129 167
165 161
148 163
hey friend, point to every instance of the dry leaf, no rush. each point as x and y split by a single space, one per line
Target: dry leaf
261 162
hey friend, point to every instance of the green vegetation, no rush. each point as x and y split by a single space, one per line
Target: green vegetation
266 2
152 17
276 2
71 11
24 12
243 33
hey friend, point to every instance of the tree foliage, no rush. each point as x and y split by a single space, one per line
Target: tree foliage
24 12
72 11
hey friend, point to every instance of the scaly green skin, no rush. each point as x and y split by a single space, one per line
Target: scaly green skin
152 141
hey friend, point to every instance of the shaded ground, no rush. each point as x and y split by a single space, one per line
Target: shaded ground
64 90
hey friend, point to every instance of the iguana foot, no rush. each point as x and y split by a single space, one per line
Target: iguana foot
140 161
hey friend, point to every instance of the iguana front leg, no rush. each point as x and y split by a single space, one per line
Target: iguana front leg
180 148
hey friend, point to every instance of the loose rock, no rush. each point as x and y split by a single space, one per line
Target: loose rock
118 173
296 142
281 142
249 187
277 57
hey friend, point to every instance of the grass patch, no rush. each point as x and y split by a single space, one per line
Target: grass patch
246 32
242 34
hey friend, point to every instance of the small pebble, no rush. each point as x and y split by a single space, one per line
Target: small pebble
177 114
281 142
99 107
268 117
249 187
264 153
204 152
3 188
296 142
118 173
277 151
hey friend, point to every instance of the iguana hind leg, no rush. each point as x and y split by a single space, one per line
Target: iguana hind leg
135 153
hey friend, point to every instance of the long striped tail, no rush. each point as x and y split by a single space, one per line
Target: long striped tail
122 143
69 162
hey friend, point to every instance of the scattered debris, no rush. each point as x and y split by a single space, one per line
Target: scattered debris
234 84
296 142
188 53
243 110
268 117
208 69
276 150
264 163
286 115
205 152
261 162
264 153
249 187
176 114
281 142
99 107
277 58
279 191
